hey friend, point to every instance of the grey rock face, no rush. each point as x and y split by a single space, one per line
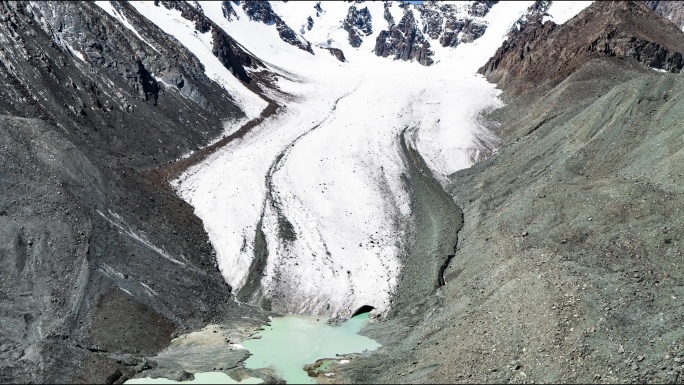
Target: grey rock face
228 10
92 242
337 53
357 24
387 15
262 11
458 27
672 10
449 24
404 41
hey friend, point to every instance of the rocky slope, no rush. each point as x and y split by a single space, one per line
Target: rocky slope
673 10
101 264
545 54
567 267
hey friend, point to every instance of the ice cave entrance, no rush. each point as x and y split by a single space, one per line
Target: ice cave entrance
363 309
292 341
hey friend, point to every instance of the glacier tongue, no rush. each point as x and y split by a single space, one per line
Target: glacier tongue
316 191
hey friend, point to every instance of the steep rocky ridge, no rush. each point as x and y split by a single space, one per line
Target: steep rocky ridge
450 24
101 265
672 10
262 11
357 24
404 41
544 54
568 263
446 24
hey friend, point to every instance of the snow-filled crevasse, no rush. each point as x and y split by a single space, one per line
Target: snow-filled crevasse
317 190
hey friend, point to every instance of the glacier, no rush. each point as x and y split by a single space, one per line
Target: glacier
309 212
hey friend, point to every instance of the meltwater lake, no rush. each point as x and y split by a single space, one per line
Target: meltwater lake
286 345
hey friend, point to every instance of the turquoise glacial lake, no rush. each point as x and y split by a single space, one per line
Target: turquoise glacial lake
294 341
289 343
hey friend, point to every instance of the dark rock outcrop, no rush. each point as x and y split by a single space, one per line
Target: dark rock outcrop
448 24
535 14
404 41
545 54
339 55
672 10
262 11
357 24
444 22
471 29
432 20
480 8
387 15
231 55
228 10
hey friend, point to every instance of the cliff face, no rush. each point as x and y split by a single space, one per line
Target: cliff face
357 23
224 47
545 54
446 24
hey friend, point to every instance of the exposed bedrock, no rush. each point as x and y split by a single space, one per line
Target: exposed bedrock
545 54
672 10
404 41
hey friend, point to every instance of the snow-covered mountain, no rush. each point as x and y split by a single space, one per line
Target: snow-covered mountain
310 210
